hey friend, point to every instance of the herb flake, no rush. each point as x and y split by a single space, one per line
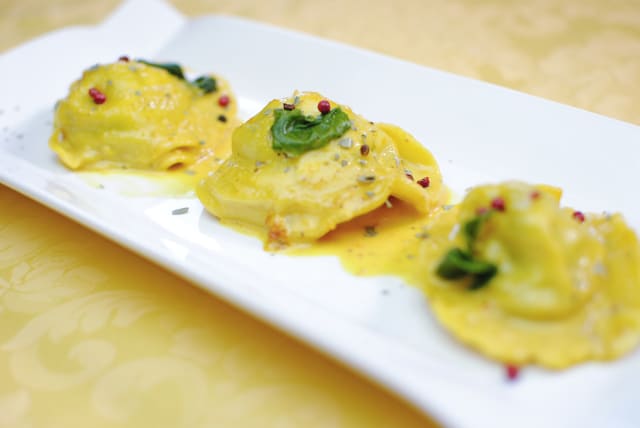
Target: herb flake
370 231
180 211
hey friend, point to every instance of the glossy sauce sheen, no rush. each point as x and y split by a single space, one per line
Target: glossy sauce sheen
384 242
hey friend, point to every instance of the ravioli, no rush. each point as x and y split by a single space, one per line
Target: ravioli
514 275
295 172
144 116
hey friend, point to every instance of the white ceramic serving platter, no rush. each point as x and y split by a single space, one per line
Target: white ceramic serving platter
378 326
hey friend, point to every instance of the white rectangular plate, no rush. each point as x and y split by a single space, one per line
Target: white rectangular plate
478 132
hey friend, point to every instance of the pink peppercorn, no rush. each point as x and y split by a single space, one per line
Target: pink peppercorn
498 204
124 58
512 371
579 216
324 107
535 194
97 96
223 101
424 182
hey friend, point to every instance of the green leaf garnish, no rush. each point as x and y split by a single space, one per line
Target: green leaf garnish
170 67
458 263
206 83
482 279
294 133
472 228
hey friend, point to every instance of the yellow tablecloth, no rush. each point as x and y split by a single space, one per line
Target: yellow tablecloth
171 355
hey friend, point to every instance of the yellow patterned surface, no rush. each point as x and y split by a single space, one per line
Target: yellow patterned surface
92 335
585 53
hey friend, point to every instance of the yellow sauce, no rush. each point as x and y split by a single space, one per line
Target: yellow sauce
143 183
385 241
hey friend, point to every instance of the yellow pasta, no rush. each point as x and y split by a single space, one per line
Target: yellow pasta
296 173
519 278
144 116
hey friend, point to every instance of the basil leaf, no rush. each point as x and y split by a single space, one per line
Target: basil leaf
170 67
295 133
452 266
206 83
458 264
472 228
482 279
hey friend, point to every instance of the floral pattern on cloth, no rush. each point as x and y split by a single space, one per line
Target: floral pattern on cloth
89 332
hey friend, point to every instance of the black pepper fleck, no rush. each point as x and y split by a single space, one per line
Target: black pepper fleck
370 231
366 178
